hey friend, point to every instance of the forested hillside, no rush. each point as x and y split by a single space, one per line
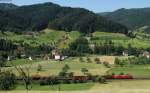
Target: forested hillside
7 6
132 18
40 16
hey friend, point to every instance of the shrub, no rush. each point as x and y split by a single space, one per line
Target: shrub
2 61
75 81
7 80
66 81
97 60
71 74
39 68
117 61
43 82
113 74
121 73
106 64
81 59
49 81
88 60
62 74
84 70
101 80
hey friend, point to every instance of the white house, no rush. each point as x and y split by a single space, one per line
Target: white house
146 54
30 58
125 53
57 57
8 58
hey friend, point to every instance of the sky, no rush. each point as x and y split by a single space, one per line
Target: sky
93 5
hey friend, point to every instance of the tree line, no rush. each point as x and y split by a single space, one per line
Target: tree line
82 47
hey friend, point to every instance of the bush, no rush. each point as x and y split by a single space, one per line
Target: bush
113 74
89 60
121 73
84 70
97 60
82 81
66 81
7 81
2 61
75 81
98 63
52 80
106 64
62 74
39 68
81 59
43 82
101 80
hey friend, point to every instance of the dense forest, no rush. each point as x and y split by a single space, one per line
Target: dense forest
40 16
132 18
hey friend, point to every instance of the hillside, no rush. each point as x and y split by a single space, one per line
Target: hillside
40 16
59 39
7 6
132 18
119 39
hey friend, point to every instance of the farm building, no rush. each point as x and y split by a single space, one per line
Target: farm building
30 58
125 53
57 55
146 54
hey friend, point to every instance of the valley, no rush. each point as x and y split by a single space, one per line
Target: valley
47 48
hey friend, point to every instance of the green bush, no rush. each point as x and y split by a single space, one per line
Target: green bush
7 81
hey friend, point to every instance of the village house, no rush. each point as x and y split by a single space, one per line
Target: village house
125 53
92 46
57 55
30 58
146 54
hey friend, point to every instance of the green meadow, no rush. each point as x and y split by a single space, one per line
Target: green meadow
119 39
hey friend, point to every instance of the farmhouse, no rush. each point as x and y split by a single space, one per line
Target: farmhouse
57 55
125 53
30 58
146 54
92 46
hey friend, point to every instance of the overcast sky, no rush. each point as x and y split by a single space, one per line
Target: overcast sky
93 5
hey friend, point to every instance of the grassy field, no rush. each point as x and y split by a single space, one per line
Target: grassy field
54 67
21 62
109 59
47 36
63 87
62 39
136 70
118 86
119 39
